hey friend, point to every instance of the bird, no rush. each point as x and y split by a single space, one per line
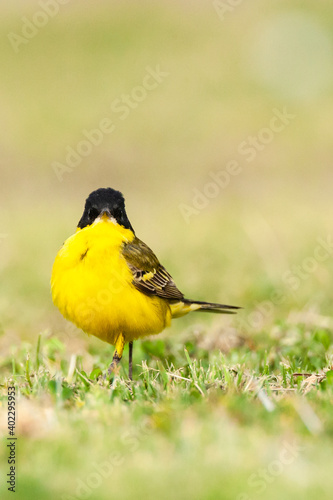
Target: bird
111 285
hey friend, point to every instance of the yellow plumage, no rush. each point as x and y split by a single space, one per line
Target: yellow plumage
92 286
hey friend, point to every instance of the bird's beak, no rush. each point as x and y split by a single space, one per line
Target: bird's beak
107 216
106 213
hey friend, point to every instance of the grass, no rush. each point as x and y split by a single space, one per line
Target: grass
252 421
220 407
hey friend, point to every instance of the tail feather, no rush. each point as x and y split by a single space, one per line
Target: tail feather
212 307
185 306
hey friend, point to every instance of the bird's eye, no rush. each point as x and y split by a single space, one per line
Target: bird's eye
92 213
117 213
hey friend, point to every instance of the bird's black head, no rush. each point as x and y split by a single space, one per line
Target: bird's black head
108 202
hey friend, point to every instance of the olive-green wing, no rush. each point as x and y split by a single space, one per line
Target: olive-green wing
149 276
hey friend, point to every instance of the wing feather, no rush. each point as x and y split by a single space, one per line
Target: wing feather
149 276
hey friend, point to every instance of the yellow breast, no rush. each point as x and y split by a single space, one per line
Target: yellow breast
92 286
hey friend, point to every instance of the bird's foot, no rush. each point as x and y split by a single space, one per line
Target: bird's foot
113 369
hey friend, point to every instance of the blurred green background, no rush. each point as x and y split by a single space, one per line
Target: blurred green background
227 71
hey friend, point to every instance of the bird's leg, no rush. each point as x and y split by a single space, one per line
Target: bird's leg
130 360
118 353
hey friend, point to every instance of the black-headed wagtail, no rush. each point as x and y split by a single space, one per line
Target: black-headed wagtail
111 284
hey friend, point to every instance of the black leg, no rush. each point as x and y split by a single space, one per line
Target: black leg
130 360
